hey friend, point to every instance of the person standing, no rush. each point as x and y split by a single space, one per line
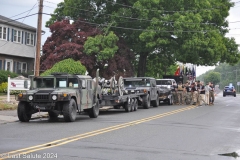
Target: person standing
194 93
175 93
207 93
211 94
202 94
180 93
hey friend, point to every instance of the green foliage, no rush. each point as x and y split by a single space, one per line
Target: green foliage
3 87
4 75
104 46
195 34
212 77
66 66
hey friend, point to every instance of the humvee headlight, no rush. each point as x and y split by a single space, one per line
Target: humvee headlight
54 97
30 98
20 95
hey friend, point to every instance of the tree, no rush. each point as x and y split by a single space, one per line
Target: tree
213 77
69 66
68 41
185 31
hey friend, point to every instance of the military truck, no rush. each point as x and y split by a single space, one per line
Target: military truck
60 94
129 93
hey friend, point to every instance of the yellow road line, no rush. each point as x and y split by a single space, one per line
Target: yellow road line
89 134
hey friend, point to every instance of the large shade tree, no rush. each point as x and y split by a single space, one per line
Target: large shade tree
186 31
68 40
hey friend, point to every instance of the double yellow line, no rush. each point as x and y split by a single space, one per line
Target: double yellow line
63 141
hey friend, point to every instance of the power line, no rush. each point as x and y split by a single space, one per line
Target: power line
149 9
30 11
136 18
22 13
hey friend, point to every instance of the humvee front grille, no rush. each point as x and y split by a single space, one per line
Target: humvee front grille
41 97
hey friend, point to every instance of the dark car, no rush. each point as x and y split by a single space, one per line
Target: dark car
229 90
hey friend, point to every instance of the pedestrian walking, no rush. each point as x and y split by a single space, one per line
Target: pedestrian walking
211 94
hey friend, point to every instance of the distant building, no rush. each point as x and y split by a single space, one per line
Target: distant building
17 46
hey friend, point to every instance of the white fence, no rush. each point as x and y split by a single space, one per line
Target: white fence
19 83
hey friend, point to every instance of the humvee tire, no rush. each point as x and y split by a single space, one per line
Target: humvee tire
70 111
22 111
146 101
94 111
156 102
127 105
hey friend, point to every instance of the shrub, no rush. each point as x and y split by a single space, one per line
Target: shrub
4 75
66 66
3 87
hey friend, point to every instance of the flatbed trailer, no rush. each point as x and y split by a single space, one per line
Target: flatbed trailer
129 102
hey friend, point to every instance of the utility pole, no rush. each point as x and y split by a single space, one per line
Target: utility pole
39 35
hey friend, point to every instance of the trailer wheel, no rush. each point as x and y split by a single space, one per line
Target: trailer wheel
156 102
146 102
127 105
135 104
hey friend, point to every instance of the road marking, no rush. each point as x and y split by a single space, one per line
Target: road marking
63 141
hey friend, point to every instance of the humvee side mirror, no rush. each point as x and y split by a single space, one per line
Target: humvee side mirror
25 84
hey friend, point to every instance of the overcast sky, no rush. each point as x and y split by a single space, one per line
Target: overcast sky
10 8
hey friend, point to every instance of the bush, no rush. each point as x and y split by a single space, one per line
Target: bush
4 75
3 87
66 66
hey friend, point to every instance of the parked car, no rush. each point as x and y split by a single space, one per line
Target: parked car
229 90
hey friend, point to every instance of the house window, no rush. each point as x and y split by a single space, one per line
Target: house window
3 33
30 39
17 36
21 67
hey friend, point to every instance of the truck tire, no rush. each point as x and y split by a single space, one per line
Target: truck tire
127 105
135 104
53 114
70 111
23 112
132 104
156 102
94 111
146 102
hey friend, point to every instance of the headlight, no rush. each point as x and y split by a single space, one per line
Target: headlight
30 98
54 97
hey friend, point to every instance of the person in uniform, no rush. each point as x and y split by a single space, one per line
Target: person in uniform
211 94
175 93
198 92
180 93
188 98
202 94
194 93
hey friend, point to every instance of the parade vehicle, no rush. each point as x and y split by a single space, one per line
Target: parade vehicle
129 93
166 86
60 94
229 90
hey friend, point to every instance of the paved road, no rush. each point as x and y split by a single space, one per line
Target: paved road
166 132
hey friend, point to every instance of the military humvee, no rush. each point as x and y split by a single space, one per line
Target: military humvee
60 94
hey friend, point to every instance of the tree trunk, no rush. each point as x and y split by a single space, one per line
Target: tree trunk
142 64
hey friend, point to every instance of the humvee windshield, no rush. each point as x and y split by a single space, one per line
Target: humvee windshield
136 83
66 82
44 82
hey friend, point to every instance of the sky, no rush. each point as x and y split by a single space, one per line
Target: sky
11 8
